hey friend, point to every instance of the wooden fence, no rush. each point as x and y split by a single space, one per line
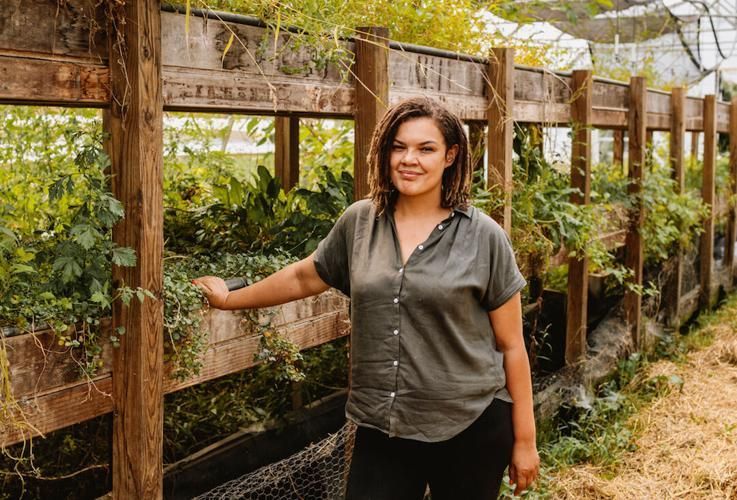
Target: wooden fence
70 54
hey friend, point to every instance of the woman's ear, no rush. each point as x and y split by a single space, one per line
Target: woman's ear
450 155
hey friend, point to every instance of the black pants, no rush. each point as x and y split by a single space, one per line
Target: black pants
468 466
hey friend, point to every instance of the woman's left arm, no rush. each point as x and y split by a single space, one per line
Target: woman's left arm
506 321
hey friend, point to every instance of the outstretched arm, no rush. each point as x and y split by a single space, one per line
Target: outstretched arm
507 324
296 281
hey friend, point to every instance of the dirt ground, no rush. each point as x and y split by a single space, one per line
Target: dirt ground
687 440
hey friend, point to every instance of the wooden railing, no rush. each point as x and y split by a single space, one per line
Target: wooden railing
55 53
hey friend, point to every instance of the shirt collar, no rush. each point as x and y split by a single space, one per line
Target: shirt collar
465 211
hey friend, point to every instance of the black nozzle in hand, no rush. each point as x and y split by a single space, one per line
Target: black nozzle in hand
235 283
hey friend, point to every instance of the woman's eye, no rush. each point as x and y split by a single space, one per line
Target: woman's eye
427 150
397 147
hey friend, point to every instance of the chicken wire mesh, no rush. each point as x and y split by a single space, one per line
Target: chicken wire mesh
318 472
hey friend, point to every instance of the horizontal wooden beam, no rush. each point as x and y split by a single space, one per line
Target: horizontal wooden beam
51 82
53 396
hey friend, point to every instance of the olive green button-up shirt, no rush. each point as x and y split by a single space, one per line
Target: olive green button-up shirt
424 363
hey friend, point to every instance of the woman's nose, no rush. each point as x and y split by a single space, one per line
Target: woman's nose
410 156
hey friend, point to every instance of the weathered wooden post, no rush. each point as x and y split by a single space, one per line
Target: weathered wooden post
500 91
372 97
674 283
477 145
732 216
578 266
706 248
286 150
135 123
695 144
618 148
633 241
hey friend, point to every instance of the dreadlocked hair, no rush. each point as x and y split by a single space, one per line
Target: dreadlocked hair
456 184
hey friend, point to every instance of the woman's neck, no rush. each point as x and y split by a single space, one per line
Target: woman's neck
419 206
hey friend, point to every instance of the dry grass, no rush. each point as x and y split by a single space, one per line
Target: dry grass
687 440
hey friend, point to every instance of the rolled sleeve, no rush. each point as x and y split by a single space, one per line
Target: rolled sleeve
331 258
505 278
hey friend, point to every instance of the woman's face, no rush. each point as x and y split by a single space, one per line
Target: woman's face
419 157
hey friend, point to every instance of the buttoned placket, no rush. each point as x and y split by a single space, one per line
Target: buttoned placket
397 290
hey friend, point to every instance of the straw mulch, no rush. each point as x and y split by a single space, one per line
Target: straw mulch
687 440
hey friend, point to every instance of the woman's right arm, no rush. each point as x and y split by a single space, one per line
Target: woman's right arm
296 281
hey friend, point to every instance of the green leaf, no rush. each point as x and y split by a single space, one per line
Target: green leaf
69 268
85 235
124 256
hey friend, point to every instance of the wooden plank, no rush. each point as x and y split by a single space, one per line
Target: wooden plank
238 354
634 243
75 402
618 148
49 82
38 365
694 114
609 118
540 85
286 150
254 51
578 266
706 248
136 125
674 281
658 102
545 113
723 117
658 121
187 89
435 75
73 28
500 129
729 260
465 107
371 71
610 95
66 406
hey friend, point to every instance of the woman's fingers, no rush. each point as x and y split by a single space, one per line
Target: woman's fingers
214 289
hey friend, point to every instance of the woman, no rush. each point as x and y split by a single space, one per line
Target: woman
440 380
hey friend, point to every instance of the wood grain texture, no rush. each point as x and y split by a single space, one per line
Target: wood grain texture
634 244
191 89
73 28
136 127
546 113
501 129
540 85
706 247
610 95
51 405
286 150
618 148
36 81
674 282
435 75
371 71
729 260
466 107
578 267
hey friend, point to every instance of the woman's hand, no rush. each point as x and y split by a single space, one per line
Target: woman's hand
524 466
215 290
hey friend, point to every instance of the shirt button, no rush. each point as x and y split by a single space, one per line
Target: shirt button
396 332
401 270
396 300
396 363
440 227
392 394
420 247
